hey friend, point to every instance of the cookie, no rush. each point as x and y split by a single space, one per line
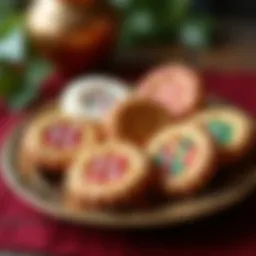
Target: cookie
100 131
136 120
185 156
93 96
113 175
232 130
52 141
176 87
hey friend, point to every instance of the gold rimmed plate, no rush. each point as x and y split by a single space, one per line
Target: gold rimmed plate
230 187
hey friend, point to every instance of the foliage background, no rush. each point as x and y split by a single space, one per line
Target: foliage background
145 22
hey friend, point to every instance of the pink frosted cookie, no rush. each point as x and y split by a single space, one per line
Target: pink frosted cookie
185 156
176 87
115 174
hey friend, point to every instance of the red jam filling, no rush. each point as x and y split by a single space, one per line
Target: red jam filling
62 136
107 168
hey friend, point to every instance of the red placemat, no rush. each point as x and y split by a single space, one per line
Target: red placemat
230 233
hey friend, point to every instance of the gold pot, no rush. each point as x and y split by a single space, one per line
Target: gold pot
73 34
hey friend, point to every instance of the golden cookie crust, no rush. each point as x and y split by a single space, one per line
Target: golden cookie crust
125 191
46 155
193 177
242 126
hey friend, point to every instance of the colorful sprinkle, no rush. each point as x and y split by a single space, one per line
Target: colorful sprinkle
177 166
222 131
176 157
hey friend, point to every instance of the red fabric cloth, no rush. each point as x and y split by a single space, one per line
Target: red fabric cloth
230 233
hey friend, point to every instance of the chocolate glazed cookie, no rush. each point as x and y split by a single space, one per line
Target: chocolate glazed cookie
136 120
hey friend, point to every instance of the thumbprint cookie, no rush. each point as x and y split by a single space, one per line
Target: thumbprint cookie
136 120
52 141
112 175
176 87
185 157
93 96
232 130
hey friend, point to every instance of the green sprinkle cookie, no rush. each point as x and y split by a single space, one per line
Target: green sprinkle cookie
185 155
232 130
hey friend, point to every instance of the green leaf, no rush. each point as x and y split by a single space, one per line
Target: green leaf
12 39
18 86
142 22
150 20
37 70
13 47
139 26
22 99
196 32
121 4
9 11
169 17
13 20
177 10
10 80
6 7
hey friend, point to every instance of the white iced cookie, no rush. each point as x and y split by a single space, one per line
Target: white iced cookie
92 97
231 128
185 156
